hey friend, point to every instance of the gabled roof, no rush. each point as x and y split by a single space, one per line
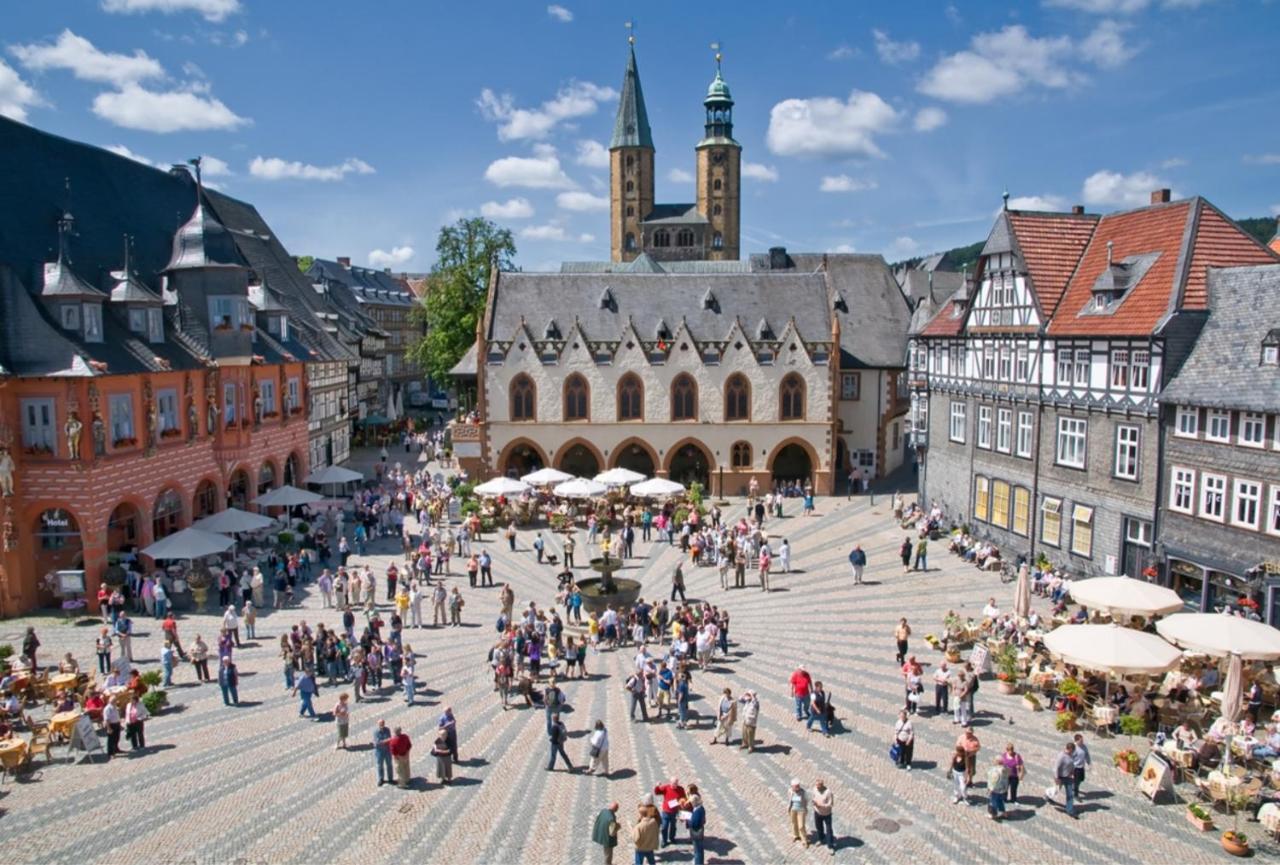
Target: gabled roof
631 126
949 320
675 214
1224 370
1186 237
61 280
1050 245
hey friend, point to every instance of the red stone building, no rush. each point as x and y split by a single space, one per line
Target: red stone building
147 377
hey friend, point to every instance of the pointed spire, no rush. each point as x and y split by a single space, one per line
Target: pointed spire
631 128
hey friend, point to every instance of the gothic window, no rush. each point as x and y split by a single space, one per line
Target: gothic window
715 211
715 184
630 186
662 239
684 237
630 242
630 161
737 398
684 398
792 397
631 211
523 399
630 398
717 241
740 455
577 397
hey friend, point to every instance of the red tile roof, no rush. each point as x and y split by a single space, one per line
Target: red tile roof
945 323
1160 228
1051 245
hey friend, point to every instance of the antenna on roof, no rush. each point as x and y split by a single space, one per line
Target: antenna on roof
631 34
1005 196
127 245
66 222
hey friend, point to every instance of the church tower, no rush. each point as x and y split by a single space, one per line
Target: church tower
631 168
720 173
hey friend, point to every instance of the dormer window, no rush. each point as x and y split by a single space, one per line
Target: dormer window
92 314
138 319
278 326
155 325
1271 349
70 316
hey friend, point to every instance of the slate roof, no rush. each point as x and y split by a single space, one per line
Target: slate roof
631 126
697 267
1224 370
366 284
1187 237
466 365
674 214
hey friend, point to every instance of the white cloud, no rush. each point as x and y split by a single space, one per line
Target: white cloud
1054 203
380 258
679 175
1262 159
82 59
1275 210
842 52
582 201
514 208
239 38
16 95
192 109
1000 64
1101 7
1105 46
592 154
121 150
757 171
211 10
275 168
823 126
1179 162
561 14
903 246
929 119
844 249
552 231
576 99
894 52
845 183
1122 190
212 166
540 171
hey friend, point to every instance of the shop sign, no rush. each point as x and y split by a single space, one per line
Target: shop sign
1185 569
55 519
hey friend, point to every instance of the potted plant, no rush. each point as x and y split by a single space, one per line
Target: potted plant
1127 761
1065 722
1005 661
1032 702
199 580
1233 841
303 527
1200 818
1132 725
155 700
285 538
114 576
1071 692
6 651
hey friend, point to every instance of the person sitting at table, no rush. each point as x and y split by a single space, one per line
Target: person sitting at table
93 705
1184 735
1247 727
68 664
1269 747
115 679
136 684
1120 699
64 702
1221 729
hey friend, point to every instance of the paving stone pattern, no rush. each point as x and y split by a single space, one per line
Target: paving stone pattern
259 784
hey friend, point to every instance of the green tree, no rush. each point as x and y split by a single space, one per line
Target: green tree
456 289
305 262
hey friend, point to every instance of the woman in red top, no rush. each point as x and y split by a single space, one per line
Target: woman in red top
104 602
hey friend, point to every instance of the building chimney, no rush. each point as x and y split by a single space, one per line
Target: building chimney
1077 209
345 261
1161 196
777 258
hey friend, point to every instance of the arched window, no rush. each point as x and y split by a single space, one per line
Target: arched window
716 184
684 398
577 398
737 398
630 160
166 514
523 399
631 211
661 239
630 186
740 455
630 398
715 211
792 397
717 242
685 237
630 242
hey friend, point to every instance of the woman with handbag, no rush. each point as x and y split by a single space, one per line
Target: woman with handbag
598 750
904 739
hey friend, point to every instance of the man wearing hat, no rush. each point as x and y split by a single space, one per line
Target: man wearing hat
750 716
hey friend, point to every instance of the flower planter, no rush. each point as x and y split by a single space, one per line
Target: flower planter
1235 844
1201 825
1030 704
953 656
1007 687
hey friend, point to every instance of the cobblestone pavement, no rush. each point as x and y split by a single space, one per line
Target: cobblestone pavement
258 784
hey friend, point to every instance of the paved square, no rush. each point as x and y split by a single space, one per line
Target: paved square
258 784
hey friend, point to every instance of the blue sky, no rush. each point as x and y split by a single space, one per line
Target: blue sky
359 128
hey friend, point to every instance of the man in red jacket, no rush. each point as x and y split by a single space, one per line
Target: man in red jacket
672 796
399 745
801 683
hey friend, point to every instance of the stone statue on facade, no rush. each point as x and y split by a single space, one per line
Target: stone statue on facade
98 429
6 473
73 428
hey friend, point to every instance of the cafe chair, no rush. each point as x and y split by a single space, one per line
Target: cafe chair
41 744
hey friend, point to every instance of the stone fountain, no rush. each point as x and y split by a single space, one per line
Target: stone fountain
607 590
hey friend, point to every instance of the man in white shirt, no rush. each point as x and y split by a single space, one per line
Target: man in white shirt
991 611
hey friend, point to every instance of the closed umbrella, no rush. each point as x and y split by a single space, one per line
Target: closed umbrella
287 497
1111 649
619 477
1022 594
233 520
542 477
1125 596
657 487
502 487
1217 635
1233 690
188 544
580 488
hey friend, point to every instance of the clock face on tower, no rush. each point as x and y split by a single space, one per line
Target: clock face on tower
717 156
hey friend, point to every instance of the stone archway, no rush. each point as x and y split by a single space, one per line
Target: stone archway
166 514
690 461
579 458
520 457
205 502
238 489
791 462
266 477
636 455
292 467
124 528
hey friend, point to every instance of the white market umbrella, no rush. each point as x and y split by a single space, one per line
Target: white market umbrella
502 487
189 544
1022 594
1124 595
1218 635
1111 649
619 477
287 497
542 477
334 475
232 520
656 488
580 488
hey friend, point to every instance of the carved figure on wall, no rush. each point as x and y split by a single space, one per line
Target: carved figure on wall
73 428
9 531
93 397
193 419
211 414
6 473
152 415
98 429
257 405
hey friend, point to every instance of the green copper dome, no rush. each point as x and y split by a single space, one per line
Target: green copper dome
719 90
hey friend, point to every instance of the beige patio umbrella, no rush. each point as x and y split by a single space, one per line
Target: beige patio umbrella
1022 594
1218 636
1125 596
1111 649
1233 690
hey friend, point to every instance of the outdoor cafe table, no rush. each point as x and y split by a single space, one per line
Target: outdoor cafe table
12 750
63 723
63 681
